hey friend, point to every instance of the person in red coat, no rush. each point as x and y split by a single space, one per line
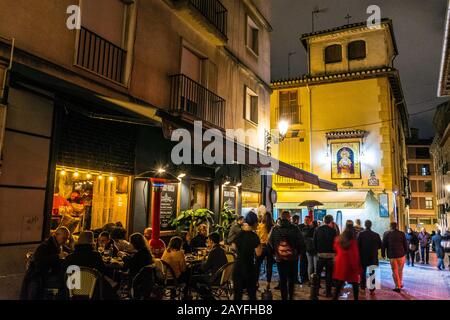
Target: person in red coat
347 265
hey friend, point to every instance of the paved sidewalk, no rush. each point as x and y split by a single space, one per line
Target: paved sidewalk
421 282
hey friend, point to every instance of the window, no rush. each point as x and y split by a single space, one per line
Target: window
428 203
191 65
103 36
422 153
356 50
288 108
428 186
252 36
333 53
251 105
425 170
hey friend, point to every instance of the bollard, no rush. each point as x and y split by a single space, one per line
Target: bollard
314 290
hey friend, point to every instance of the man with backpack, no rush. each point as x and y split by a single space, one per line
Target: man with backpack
287 243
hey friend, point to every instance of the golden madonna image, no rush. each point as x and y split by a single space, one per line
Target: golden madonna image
345 162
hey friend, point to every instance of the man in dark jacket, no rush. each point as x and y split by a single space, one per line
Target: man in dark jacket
413 246
45 266
324 237
287 242
437 239
235 228
395 245
424 242
369 242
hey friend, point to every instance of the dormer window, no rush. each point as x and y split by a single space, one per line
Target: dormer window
356 50
333 53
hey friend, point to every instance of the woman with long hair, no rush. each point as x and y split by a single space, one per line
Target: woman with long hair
174 256
142 256
347 267
263 231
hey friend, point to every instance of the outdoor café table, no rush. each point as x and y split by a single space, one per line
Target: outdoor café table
113 265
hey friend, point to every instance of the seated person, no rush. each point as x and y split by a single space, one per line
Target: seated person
187 243
105 242
199 241
85 255
142 256
175 257
217 258
45 266
118 235
148 234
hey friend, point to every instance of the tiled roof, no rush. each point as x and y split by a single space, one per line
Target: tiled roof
387 21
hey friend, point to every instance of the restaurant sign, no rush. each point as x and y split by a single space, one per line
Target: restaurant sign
169 198
229 197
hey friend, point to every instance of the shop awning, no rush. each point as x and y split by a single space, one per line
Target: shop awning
171 123
85 101
344 198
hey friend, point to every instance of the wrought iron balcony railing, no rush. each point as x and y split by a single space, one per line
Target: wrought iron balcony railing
191 97
214 11
100 56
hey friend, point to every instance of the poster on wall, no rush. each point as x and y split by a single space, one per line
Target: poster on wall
384 205
229 197
345 163
169 198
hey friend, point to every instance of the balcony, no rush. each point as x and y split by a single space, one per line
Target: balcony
283 180
291 114
208 16
100 56
191 98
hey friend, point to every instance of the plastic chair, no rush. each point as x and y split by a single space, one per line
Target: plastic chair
89 280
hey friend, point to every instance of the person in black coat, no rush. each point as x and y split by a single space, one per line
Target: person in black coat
395 247
141 258
369 242
45 266
199 241
440 253
413 246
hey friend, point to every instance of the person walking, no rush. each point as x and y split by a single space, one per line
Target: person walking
440 254
311 254
445 244
424 242
324 246
287 243
369 242
248 247
347 266
358 228
395 247
263 232
413 246
296 222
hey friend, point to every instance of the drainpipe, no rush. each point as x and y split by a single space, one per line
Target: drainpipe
310 132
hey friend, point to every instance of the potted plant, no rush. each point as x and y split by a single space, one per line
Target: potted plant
227 217
191 219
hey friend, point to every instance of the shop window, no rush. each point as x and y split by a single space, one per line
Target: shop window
251 105
425 170
356 50
199 194
85 200
333 53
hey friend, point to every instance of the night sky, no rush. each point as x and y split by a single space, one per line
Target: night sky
419 30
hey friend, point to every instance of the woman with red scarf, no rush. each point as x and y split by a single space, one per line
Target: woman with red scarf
347 265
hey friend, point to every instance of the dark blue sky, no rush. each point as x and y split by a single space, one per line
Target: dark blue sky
419 30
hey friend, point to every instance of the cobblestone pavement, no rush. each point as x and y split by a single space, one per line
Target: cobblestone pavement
421 282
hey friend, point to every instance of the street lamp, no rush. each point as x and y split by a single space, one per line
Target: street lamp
283 127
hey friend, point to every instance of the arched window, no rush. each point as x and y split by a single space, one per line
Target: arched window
333 53
356 50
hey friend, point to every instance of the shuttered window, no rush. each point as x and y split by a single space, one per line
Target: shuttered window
333 53
356 50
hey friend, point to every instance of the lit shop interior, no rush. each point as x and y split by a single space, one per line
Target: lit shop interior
87 200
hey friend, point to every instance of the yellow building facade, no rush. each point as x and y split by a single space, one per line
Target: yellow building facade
348 125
